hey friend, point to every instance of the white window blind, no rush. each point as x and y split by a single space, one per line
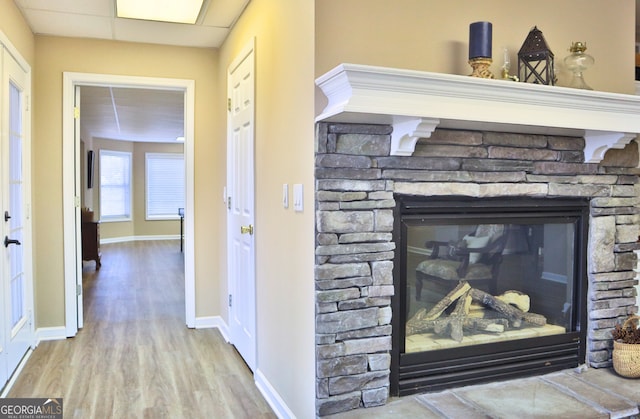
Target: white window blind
165 185
115 185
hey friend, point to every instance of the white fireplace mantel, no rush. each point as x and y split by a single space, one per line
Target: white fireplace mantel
417 102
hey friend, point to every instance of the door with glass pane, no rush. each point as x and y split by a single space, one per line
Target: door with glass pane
16 290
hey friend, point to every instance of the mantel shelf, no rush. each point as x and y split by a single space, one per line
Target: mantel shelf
417 102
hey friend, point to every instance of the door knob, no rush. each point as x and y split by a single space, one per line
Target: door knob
8 241
246 229
6 216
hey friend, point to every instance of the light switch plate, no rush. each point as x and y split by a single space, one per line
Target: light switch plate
285 195
298 197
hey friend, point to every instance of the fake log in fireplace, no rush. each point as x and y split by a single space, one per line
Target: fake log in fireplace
487 289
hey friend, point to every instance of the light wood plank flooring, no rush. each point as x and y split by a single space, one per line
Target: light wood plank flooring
135 358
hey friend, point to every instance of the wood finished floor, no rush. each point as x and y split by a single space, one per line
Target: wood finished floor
135 358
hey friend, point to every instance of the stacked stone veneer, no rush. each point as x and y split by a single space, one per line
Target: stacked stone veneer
356 180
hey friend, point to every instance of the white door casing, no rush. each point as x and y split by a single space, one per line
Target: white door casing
78 193
71 197
16 278
240 204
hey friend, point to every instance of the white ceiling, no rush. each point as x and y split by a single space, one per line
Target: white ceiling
96 19
130 114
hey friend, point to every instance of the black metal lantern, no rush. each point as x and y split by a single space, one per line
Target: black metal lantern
535 60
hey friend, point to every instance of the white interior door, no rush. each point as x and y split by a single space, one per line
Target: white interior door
240 190
16 281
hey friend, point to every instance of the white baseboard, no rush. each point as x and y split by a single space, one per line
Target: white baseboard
272 397
50 333
125 239
211 322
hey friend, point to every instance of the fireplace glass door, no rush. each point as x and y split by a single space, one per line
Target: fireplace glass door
489 280
471 284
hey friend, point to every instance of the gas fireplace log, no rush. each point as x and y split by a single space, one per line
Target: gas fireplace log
440 326
535 319
416 323
493 315
485 325
458 316
515 315
512 297
516 298
423 321
419 326
494 321
461 289
455 324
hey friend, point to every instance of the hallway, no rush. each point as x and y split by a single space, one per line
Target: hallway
135 357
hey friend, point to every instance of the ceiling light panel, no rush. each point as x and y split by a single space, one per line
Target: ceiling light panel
183 11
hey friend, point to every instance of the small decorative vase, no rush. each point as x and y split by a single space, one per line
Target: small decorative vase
577 63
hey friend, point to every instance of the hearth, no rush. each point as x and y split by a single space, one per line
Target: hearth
487 289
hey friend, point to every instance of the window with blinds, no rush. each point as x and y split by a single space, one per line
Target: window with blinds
165 184
115 185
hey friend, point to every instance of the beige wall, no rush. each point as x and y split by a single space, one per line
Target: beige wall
139 225
57 55
283 30
13 25
433 35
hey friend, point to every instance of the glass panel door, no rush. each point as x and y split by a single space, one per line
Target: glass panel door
17 300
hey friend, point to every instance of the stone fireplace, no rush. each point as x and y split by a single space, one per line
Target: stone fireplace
388 134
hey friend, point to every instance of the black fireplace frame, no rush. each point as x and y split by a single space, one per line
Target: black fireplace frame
440 369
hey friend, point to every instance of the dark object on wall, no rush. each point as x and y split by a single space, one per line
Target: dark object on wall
638 73
535 60
90 164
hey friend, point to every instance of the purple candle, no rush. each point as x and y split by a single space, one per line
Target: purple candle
480 38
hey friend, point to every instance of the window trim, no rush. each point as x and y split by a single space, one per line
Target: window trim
118 218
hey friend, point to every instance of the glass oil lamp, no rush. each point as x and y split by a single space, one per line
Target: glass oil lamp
577 63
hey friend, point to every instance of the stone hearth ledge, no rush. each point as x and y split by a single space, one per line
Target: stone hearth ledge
417 102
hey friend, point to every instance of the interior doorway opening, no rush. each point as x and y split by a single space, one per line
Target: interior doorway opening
72 188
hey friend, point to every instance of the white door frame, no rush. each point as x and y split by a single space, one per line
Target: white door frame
71 200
